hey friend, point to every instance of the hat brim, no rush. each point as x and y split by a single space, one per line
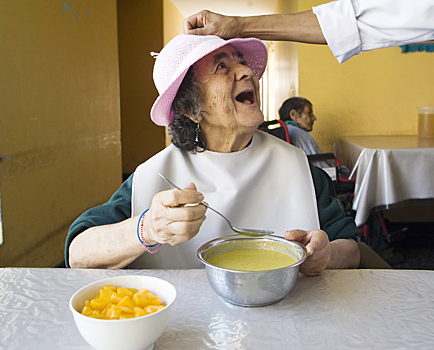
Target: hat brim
254 51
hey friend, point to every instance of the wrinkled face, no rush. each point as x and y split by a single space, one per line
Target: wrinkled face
229 91
306 118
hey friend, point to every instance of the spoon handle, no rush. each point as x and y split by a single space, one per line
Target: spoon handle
206 205
169 182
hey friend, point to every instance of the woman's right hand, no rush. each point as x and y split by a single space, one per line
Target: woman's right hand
169 220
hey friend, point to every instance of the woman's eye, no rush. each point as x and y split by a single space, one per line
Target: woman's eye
221 66
244 63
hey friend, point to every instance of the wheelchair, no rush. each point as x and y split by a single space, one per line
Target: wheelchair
340 188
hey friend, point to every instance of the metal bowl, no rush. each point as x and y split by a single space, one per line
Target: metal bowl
252 288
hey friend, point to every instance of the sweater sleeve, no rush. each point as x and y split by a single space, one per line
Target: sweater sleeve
117 209
331 216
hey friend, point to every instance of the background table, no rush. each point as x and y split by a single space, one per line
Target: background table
341 309
388 169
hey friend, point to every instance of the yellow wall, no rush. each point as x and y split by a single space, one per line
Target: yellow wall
140 33
173 26
59 121
173 21
285 65
374 93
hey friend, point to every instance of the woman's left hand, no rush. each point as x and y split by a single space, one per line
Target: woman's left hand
318 248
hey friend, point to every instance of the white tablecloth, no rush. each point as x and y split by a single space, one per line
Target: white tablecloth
388 170
341 309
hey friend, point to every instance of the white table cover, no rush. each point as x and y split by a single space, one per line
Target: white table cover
341 309
388 170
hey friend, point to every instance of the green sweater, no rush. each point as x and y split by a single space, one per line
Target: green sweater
118 208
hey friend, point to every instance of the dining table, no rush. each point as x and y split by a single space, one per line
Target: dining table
339 309
388 170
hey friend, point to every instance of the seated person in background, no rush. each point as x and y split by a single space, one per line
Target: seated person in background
209 99
297 113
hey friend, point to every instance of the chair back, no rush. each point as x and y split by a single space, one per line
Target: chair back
280 131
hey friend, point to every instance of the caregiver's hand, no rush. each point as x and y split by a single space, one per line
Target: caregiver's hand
318 248
210 23
170 221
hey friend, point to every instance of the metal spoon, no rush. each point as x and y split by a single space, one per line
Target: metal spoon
241 231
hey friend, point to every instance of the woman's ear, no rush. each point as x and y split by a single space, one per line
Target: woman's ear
293 115
196 118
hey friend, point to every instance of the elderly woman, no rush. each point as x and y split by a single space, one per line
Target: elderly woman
297 113
209 99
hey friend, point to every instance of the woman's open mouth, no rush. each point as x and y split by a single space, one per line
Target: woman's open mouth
246 97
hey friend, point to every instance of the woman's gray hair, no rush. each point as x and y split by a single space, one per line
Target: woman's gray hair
296 103
182 129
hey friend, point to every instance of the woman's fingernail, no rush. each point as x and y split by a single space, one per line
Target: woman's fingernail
201 197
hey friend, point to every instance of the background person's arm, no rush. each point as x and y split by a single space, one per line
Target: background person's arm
347 27
299 27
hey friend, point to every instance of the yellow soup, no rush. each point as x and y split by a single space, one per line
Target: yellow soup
251 260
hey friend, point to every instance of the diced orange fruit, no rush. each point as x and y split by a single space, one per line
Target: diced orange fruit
138 311
116 298
113 288
128 310
113 313
125 316
102 317
124 292
121 303
128 302
104 312
106 293
99 303
87 311
146 299
152 308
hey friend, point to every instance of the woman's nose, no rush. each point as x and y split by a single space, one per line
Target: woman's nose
242 71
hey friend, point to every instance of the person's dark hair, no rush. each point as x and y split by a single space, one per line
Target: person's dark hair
297 103
182 129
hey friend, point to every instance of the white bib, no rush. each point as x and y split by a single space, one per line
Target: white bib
268 185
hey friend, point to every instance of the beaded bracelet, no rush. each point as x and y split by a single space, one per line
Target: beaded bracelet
140 235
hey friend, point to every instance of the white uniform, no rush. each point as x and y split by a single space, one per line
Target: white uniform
267 185
351 26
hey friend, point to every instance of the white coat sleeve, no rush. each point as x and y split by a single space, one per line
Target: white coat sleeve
351 26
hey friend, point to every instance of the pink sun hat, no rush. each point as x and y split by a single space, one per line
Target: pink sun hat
174 60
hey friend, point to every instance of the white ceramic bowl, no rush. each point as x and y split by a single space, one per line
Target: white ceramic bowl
135 333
